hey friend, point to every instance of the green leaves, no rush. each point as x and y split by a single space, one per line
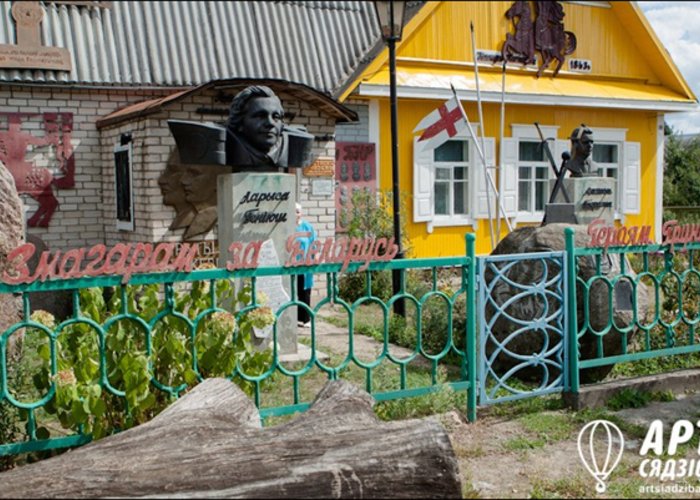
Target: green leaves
222 346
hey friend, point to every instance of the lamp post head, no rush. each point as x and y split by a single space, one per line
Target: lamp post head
391 19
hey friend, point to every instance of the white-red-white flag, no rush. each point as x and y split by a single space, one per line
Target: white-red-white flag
440 125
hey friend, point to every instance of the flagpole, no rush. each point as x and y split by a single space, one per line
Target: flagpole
490 181
500 145
481 121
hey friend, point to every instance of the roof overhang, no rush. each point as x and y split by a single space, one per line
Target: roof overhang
297 90
433 82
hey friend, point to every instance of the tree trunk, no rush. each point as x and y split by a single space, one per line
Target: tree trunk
210 444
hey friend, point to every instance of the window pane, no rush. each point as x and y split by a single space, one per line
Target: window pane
461 198
121 163
442 198
531 151
443 174
541 172
452 151
605 153
461 173
540 194
524 196
524 172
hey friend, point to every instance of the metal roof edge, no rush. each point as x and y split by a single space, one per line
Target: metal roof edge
373 90
299 90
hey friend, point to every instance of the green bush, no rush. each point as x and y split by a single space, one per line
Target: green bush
371 215
222 343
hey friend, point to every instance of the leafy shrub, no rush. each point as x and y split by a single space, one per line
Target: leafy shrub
222 343
371 215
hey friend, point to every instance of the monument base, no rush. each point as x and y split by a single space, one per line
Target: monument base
260 207
560 212
591 197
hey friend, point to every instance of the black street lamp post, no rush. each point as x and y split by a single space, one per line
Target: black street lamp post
391 21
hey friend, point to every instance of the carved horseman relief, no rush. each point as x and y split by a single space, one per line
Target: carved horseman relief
550 38
546 35
520 47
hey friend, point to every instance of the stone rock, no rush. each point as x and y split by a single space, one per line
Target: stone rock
551 238
11 236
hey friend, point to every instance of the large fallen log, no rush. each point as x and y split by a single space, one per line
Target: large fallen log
210 444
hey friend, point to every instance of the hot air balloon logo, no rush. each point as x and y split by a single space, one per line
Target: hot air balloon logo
600 456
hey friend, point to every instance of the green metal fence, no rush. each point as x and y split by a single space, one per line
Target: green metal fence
148 327
656 307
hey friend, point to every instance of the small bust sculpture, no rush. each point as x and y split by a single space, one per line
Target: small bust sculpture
255 138
581 164
254 130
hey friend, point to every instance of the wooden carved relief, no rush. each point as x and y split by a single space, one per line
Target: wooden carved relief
546 35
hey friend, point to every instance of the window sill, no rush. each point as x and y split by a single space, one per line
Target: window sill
449 222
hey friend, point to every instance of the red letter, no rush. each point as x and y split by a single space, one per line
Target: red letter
185 258
74 271
17 264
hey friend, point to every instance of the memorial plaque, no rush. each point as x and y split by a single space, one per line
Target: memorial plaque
322 167
322 187
260 207
29 53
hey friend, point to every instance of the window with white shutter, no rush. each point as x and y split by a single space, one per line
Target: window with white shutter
447 189
631 178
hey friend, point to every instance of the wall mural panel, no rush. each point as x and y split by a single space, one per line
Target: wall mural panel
36 148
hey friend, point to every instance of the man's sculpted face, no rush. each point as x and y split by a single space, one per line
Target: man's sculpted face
262 123
584 146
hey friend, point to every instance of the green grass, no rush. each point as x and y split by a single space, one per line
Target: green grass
570 487
634 398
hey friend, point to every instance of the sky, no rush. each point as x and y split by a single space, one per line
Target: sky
676 24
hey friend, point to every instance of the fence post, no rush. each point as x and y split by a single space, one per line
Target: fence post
572 322
471 329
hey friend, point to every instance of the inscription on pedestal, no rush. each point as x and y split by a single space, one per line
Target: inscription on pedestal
591 198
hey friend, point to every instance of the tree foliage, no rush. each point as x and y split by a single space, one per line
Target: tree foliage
681 170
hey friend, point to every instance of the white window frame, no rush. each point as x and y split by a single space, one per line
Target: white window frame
615 137
528 133
424 174
451 165
122 224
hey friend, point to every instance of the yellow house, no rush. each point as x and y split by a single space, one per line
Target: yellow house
619 81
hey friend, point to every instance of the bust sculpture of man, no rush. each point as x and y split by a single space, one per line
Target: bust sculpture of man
255 138
581 164
254 130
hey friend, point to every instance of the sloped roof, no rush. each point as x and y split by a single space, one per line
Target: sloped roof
303 92
187 43
430 76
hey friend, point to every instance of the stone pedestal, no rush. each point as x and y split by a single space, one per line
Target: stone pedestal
260 207
590 198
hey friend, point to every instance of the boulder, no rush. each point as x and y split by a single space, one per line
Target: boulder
11 236
540 305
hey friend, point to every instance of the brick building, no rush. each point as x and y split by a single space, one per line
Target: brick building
91 79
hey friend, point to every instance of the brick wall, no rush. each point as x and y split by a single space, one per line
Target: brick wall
79 218
356 131
86 214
